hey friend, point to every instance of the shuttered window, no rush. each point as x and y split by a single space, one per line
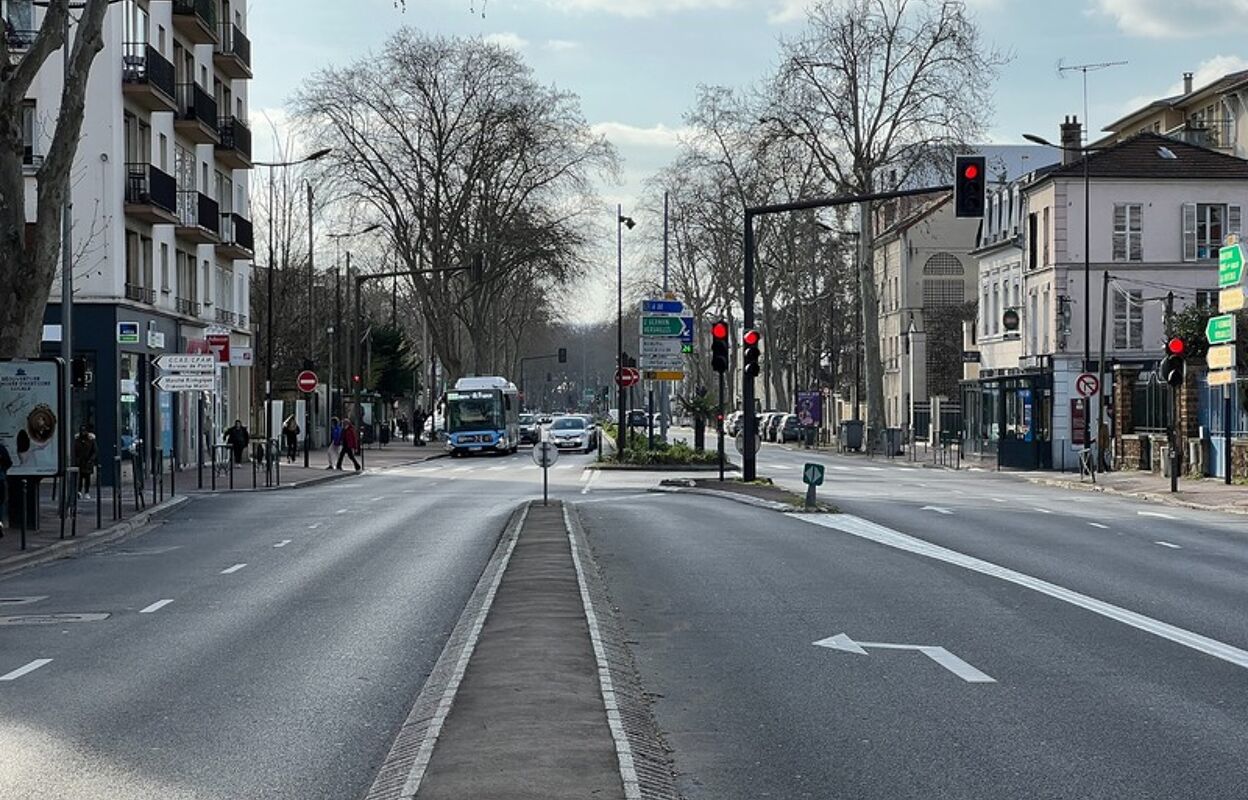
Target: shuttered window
1205 227
1128 231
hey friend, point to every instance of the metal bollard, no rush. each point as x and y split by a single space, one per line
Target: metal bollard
117 506
230 456
255 468
99 497
25 509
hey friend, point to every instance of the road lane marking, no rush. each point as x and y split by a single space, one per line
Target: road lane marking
375 499
864 529
874 469
464 469
26 670
1167 544
622 497
154 607
283 543
589 483
586 474
997 499
496 469
840 468
233 569
22 601
937 509
314 526
1157 514
1042 510
341 511
1099 525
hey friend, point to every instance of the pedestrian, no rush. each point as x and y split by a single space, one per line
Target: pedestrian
290 432
418 427
350 443
237 438
6 464
85 455
335 441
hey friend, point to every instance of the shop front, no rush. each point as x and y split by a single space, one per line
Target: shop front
1007 418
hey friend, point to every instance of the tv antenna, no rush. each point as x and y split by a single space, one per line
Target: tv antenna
1062 69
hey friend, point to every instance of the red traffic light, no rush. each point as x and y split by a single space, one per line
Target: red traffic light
719 330
752 338
971 172
355 378
1175 346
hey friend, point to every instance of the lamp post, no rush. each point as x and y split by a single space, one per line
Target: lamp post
620 222
268 322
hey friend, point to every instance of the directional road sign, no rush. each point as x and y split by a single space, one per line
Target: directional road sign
665 375
662 306
307 381
812 474
686 335
1231 299
185 383
1230 265
184 362
1220 329
1221 356
651 346
662 326
1222 377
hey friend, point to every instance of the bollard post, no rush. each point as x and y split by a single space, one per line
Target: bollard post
73 525
254 469
277 461
230 457
25 510
213 457
117 514
173 473
99 498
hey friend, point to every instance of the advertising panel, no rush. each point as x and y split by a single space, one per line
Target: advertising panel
30 416
809 409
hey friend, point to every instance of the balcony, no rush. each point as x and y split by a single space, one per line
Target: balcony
242 320
140 294
147 78
151 195
196 20
196 116
19 38
226 317
189 307
232 55
234 150
237 239
199 221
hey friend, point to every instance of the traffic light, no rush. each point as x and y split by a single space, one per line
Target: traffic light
968 186
1172 364
719 347
563 355
751 340
355 379
78 372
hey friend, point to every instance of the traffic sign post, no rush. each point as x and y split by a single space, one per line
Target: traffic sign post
545 454
812 476
1220 329
307 381
662 326
1230 265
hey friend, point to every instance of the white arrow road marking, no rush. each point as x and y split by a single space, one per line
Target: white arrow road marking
937 509
233 569
1099 525
938 654
1154 514
283 543
154 607
856 526
20 671
1167 544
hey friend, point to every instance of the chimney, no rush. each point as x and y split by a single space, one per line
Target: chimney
1187 83
1072 140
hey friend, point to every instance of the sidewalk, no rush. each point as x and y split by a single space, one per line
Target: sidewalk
1207 494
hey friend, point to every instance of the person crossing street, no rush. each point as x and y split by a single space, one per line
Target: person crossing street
350 444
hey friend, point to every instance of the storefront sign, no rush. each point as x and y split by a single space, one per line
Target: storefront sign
30 425
127 333
219 344
241 357
155 340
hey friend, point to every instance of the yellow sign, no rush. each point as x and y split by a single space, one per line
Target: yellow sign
1221 356
1231 299
1223 377
663 375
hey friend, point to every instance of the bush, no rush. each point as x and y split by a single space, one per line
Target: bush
679 454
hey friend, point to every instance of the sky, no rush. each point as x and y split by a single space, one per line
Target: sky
636 64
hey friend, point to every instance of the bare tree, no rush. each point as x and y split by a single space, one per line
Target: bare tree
28 256
880 91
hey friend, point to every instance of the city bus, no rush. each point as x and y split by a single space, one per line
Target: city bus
482 416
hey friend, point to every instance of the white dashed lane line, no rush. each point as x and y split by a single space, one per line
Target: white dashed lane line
282 543
233 569
1042 510
1099 525
341 511
1157 514
154 607
25 670
1167 544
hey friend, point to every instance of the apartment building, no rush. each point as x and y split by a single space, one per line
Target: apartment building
1213 116
162 238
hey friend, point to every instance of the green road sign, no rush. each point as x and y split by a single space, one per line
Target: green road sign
1230 265
662 326
812 474
1221 329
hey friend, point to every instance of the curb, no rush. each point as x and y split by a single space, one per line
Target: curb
744 499
68 548
1152 497
335 475
608 467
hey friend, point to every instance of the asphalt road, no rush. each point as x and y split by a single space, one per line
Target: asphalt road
256 645
724 602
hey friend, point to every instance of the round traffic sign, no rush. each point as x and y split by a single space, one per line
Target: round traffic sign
740 442
545 454
307 381
1087 384
627 376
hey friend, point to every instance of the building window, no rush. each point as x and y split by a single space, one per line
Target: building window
1044 320
1206 298
1045 235
1033 325
996 308
1032 242
1205 226
1128 241
207 268
164 268
1128 320
28 132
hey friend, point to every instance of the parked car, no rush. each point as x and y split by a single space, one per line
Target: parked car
790 429
530 429
773 426
594 430
733 422
570 432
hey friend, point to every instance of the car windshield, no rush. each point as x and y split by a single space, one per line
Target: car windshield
568 423
527 419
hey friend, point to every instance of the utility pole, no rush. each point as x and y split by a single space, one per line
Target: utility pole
307 403
1173 455
665 391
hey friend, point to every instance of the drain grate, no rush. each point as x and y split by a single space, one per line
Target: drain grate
51 619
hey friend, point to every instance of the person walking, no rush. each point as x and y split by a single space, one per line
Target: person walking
290 432
85 456
237 438
335 441
418 427
6 464
350 443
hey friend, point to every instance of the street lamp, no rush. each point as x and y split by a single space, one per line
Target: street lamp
268 324
620 222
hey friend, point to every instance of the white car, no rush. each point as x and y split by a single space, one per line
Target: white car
571 432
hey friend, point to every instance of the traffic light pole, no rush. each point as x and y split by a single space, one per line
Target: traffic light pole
749 460
719 424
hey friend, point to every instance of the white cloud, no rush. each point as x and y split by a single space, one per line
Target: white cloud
561 45
508 40
1205 73
1165 19
624 135
639 8
790 11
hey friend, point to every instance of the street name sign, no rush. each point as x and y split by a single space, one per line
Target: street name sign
185 383
662 326
651 346
1220 329
187 363
1230 265
1222 377
662 306
1231 299
1221 356
812 474
665 375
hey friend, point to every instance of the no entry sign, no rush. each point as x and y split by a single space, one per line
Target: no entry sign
627 376
307 381
1087 384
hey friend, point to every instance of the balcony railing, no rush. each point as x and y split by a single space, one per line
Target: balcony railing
143 64
140 294
235 141
19 39
188 307
234 44
235 230
242 320
226 317
196 105
147 185
198 210
197 18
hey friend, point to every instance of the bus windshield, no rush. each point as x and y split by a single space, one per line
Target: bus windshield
475 411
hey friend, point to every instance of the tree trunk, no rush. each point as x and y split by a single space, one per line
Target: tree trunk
872 362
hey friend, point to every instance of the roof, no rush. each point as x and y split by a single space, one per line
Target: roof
469 384
1144 156
1225 83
